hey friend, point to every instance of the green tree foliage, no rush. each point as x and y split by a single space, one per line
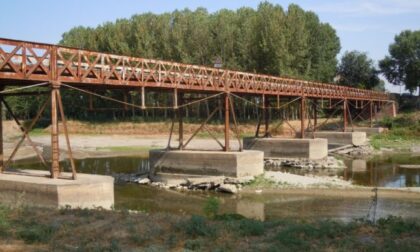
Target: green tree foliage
356 69
402 66
267 40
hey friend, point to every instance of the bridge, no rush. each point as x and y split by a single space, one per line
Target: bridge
25 64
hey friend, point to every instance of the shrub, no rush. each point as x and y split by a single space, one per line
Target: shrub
211 207
248 227
36 233
197 226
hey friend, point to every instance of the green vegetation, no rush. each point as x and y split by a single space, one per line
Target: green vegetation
263 182
404 132
402 66
99 230
356 69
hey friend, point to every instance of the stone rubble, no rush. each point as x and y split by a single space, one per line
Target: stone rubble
307 164
356 151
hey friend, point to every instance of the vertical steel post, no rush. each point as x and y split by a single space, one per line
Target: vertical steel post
143 98
266 116
371 113
315 108
227 127
55 152
394 109
1 133
344 115
302 117
180 121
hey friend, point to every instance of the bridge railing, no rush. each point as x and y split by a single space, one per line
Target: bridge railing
21 60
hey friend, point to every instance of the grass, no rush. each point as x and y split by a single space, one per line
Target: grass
263 182
404 132
99 230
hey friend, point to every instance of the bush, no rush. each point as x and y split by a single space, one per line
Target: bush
211 208
36 233
248 227
397 225
198 226
4 223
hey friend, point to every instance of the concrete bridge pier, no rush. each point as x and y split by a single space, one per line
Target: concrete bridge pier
52 188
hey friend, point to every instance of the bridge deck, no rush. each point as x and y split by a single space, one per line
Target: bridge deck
22 62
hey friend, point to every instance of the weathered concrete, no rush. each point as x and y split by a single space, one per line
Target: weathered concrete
288 147
367 130
213 163
354 138
32 187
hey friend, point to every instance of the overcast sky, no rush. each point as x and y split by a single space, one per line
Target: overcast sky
368 26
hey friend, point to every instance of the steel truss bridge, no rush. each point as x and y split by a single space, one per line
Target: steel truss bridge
29 64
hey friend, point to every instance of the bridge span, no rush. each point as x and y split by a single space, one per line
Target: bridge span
25 64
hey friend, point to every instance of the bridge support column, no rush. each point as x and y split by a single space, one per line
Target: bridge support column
315 111
55 151
1 133
371 113
302 116
180 101
345 115
227 123
266 104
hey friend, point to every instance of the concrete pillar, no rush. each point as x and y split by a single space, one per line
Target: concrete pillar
55 152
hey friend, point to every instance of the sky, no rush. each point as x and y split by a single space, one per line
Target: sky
364 25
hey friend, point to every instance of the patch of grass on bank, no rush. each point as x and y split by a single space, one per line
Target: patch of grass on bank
404 132
263 182
38 132
99 230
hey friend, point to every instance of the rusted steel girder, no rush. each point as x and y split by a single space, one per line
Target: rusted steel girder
31 62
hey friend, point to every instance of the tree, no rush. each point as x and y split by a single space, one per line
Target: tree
402 67
356 69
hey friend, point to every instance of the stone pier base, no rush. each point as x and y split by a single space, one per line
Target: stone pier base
367 130
344 138
35 188
211 163
288 147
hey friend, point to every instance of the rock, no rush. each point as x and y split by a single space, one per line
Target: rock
415 149
227 188
144 181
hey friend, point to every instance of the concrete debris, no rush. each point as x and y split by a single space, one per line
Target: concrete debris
307 164
227 188
355 151
144 181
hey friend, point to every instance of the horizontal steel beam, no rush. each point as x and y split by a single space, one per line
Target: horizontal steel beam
30 61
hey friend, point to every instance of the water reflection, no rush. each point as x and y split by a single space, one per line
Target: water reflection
384 171
381 171
265 206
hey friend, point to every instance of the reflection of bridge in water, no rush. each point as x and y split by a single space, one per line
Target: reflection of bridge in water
28 64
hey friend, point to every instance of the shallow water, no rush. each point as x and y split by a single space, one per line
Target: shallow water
381 171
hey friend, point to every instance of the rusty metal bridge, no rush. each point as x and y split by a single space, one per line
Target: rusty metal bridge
29 64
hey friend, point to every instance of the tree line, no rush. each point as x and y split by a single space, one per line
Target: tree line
271 40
